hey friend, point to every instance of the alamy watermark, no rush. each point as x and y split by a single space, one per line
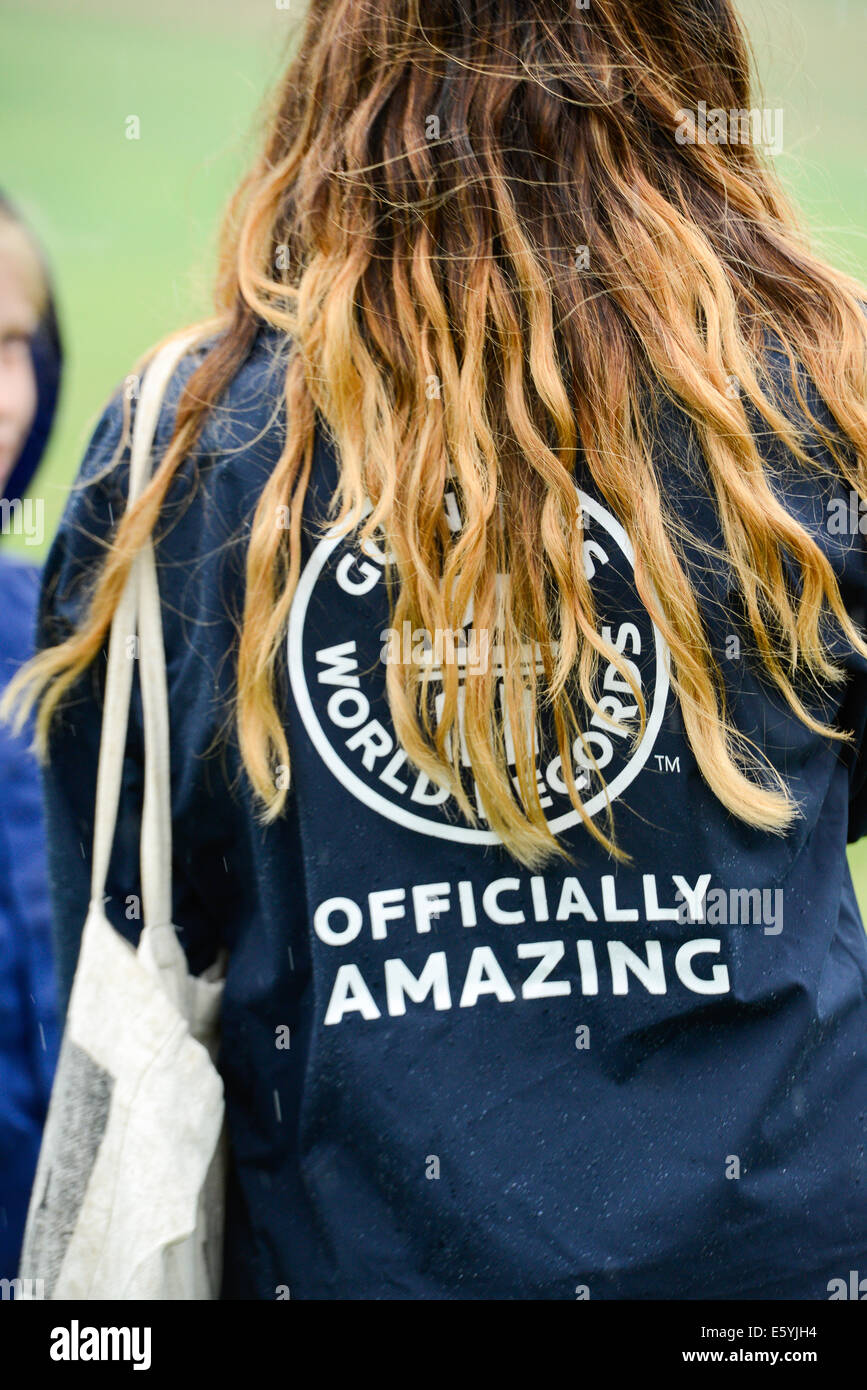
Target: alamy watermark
77 1343
761 126
847 516
734 907
854 1288
23 518
22 1288
468 649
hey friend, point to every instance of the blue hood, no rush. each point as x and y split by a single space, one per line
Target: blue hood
47 354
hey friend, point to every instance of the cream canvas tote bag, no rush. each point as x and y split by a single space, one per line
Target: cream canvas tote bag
128 1198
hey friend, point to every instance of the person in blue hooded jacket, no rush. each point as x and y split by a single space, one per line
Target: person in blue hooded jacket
30 365
509 524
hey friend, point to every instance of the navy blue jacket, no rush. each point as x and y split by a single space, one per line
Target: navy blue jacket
446 1076
28 1003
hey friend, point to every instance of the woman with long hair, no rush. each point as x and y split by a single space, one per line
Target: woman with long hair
507 522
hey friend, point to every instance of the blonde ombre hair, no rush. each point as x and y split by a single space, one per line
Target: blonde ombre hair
428 174
17 249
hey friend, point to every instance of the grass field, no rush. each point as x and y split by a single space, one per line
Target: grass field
129 225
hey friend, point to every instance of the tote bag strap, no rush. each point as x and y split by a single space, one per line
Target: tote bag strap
138 615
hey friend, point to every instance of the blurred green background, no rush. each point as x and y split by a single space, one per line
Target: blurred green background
130 225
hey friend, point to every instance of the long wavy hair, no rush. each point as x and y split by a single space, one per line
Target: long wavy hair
498 198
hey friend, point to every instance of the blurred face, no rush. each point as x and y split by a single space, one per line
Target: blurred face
17 380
